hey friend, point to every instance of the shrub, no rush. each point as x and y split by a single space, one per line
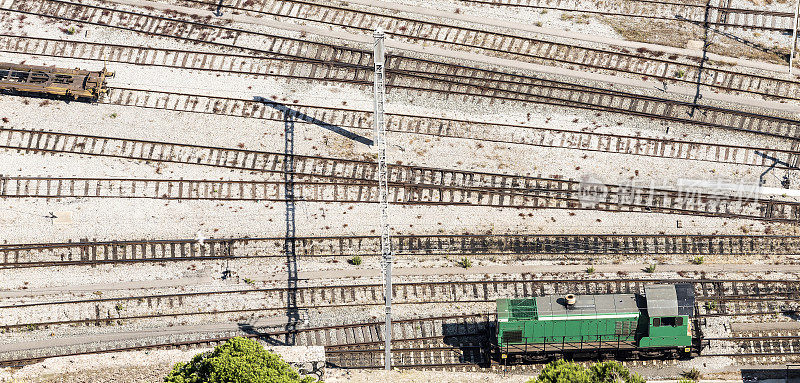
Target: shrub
680 73
710 305
465 263
613 372
691 375
562 371
650 268
70 31
238 360
590 269
698 260
355 261
119 307
249 281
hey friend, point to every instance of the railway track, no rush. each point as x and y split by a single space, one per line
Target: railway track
659 109
410 354
243 302
403 329
330 63
355 345
755 346
724 17
38 141
749 305
410 184
433 339
567 247
537 194
436 78
506 45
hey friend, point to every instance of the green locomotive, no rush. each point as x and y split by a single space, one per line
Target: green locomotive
609 325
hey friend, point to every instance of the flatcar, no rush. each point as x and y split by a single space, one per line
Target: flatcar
75 84
611 326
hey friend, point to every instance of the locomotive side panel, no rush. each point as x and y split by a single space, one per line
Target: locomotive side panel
547 324
655 324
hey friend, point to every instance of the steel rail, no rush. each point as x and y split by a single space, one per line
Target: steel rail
776 345
728 311
141 306
38 141
567 247
361 58
482 83
308 335
589 99
516 46
314 336
536 195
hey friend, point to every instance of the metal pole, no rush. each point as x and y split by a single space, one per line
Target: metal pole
794 36
379 138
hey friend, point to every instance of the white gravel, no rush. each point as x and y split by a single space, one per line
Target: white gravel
23 220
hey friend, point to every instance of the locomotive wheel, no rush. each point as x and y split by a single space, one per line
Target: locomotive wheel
536 358
652 354
608 356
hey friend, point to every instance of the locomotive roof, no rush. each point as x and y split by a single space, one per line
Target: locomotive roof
669 300
550 307
662 301
588 306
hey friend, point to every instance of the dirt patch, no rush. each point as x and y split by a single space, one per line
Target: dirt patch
767 2
678 34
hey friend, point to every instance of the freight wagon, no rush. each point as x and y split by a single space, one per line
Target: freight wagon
622 326
74 84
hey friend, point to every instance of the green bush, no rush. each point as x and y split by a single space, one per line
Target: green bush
465 263
692 375
710 305
698 260
355 261
650 268
590 269
562 371
610 372
239 360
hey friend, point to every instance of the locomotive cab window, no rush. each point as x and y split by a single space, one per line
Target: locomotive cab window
668 321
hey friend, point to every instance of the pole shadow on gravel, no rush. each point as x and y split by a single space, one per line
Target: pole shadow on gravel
296 114
293 315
